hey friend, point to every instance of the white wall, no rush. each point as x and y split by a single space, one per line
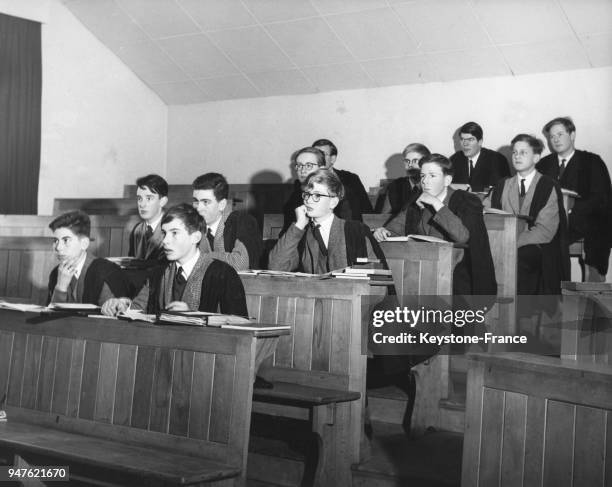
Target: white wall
242 137
101 126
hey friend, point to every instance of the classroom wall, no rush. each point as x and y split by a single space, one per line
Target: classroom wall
254 138
101 126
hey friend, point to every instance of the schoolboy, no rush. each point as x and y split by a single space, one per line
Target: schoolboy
81 277
231 236
192 280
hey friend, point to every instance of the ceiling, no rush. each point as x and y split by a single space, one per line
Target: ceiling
194 51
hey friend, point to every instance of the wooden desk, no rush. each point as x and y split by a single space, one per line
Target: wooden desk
533 420
180 389
503 231
328 321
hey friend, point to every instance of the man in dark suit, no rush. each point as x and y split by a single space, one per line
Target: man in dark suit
355 193
476 165
586 174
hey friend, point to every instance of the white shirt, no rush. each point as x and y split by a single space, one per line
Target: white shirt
473 159
79 266
566 158
528 180
213 226
188 266
325 227
156 222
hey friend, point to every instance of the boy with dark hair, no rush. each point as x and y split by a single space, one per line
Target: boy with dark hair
192 280
585 173
453 215
355 194
80 277
543 256
231 236
146 237
474 164
318 241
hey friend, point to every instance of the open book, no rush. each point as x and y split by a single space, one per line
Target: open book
21 306
264 272
421 238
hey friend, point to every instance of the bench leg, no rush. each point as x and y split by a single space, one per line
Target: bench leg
330 424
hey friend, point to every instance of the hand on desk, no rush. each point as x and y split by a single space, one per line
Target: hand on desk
114 306
381 234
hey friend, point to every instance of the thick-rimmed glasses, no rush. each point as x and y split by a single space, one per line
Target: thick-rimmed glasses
316 197
413 162
309 166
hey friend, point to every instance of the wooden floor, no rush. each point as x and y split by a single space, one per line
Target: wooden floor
433 460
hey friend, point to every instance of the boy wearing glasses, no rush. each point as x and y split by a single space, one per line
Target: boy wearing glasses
80 277
543 255
306 161
318 241
231 236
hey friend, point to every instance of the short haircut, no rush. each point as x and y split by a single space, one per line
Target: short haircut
214 181
77 221
327 178
310 150
416 147
471 128
536 144
155 183
443 162
333 150
567 122
188 215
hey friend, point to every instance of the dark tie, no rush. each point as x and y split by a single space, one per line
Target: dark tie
211 239
323 261
522 188
471 168
179 285
72 290
147 238
148 233
562 167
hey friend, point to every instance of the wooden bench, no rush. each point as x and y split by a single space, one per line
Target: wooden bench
535 420
319 371
127 403
110 233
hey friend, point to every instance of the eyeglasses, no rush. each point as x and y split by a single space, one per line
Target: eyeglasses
308 166
315 196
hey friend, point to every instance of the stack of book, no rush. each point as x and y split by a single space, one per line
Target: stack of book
365 269
200 318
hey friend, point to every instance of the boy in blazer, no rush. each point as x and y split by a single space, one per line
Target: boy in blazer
231 236
192 280
81 277
543 255
146 236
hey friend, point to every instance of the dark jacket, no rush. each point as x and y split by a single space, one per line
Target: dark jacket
141 249
490 168
591 216
355 194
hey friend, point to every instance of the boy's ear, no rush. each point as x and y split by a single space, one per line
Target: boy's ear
333 202
84 241
223 204
196 237
536 157
163 201
448 179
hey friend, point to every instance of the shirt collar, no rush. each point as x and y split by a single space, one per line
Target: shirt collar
567 158
156 222
325 227
213 226
80 264
190 264
528 179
